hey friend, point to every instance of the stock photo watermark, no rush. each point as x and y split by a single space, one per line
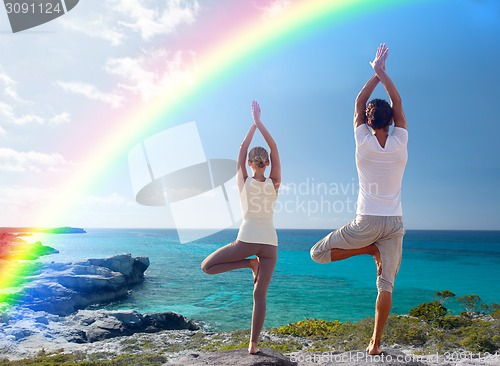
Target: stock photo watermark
202 193
26 14
360 356
311 197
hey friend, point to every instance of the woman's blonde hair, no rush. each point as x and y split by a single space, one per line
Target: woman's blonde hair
259 156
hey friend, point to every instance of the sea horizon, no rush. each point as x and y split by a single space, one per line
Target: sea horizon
463 261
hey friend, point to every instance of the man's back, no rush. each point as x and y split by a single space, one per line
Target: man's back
380 171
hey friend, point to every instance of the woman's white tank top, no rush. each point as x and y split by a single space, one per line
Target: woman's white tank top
257 203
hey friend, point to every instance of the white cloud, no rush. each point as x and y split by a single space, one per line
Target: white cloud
13 102
23 199
91 92
155 72
9 89
6 79
102 27
150 20
61 118
8 111
276 8
30 161
152 73
119 19
10 116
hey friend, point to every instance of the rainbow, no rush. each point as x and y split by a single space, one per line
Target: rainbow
246 37
216 62
17 265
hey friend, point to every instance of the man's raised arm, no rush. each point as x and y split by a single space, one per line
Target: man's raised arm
378 65
362 99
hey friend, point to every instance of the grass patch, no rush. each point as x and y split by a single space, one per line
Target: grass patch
51 359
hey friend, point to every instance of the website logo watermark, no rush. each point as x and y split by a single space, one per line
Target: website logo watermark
26 14
395 357
171 169
311 197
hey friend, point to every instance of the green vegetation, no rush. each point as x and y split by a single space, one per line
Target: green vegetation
313 328
59 358
429 311
444 295
471 303
429 328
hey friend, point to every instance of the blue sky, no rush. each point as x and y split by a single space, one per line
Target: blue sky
443 58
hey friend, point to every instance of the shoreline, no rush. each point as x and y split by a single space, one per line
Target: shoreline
306 339
177 346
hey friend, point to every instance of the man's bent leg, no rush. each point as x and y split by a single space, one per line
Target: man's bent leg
340 254
382 310
350 240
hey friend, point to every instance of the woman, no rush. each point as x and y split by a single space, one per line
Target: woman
257 235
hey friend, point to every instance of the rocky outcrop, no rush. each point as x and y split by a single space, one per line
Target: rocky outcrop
87 326
63 288
11 246
98 325
240 357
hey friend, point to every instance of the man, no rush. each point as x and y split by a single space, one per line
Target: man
381 158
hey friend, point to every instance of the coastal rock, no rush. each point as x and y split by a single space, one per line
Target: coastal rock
87 326
240 357
98 325
11 246
132 268
63 288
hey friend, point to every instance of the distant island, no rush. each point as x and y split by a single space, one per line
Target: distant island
57 230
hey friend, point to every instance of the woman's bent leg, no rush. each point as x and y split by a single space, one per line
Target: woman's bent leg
229 257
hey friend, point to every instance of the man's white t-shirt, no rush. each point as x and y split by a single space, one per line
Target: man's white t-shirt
380 171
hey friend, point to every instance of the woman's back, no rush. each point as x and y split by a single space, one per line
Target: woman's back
258 199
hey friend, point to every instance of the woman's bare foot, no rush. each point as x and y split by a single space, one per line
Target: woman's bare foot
376 256
255 265
252 348
373 348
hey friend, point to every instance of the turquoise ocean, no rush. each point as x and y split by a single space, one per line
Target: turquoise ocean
465 262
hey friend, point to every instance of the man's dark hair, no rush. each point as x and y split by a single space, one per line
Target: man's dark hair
378 113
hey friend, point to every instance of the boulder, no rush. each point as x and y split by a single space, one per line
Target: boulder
96 325
132 268
63 288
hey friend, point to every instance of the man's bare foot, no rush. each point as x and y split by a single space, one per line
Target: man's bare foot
373 348
376 256
252 348
255 265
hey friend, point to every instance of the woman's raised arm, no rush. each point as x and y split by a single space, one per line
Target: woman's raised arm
274 156
241 169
